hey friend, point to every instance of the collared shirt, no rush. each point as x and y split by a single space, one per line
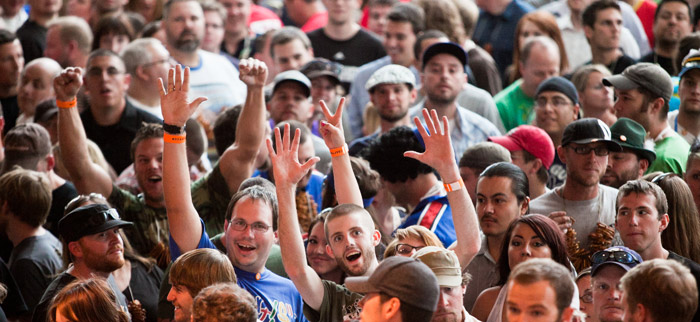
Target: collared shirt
484 271
469 128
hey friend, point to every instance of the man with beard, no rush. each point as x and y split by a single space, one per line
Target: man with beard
11 65
581 203
349 227
643 91
211 75
634 160
672 22
443 76
91 242
392 90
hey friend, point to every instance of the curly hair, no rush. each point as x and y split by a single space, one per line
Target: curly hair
385 155
224 302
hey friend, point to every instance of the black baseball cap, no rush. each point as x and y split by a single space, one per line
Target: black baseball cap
88 220
446 48
589 130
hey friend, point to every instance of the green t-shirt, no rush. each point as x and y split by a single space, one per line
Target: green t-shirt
514 106
339 304
671 155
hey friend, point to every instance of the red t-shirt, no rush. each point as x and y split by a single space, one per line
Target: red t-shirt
318 20
645 10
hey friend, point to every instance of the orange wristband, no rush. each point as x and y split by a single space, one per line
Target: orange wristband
172 138
457 185
339 151
67 104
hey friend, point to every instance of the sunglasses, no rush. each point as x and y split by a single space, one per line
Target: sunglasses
619 256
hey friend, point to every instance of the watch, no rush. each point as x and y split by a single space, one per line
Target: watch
173 129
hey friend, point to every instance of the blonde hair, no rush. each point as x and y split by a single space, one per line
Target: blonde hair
416 232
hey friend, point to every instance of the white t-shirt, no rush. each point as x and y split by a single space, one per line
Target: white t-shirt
216 79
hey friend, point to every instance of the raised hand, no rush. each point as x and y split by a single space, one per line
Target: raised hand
332 128
438 145
285 162
253 72
67 84
173 98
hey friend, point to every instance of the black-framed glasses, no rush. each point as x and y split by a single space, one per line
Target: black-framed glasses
406 249
619 256
256 227
600 151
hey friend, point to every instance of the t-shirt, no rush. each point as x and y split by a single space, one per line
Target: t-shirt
41 314
557 172
586 213
665 62
673 123
216 79
339 304
60 197
434 213
34 263
362 48
117 151
514 106
618 65
276 297
671 155
10 112
13 305
694 270
32 36
144 286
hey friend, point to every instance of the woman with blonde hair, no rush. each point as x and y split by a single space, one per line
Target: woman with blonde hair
410 239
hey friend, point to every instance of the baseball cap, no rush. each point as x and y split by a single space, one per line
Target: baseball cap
293 76
631 135
558 84
25 145
690 61
444 264
649 76
407 279
531 139
445 48
88 220
616 255
391 74
589 130
45 111
322 67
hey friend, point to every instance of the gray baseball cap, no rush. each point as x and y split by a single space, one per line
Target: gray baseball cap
649 76
293 76
391 74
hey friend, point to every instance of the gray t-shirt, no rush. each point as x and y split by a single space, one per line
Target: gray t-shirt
586 213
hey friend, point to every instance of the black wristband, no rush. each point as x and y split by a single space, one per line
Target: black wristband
173 129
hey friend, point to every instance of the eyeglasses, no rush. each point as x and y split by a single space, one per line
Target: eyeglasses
600 151
406 249
256 227
558 102
587 297
619 256
168 60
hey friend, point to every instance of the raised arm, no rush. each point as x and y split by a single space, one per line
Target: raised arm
439 155
87 176
238 161
288 172
347 189
183 220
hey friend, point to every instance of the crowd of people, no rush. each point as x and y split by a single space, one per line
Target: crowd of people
345 160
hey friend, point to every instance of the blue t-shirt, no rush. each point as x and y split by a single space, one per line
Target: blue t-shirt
276 297
435 214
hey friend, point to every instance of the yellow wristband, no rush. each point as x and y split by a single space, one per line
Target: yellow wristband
339 151
67 104
457 185
172 138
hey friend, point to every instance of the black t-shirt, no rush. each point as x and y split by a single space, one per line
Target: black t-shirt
33 39
59 199
694 269
14 305
665 62
115 140
144 286
10 112
34 263
352 53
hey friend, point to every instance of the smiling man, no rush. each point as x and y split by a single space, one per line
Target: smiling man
642 216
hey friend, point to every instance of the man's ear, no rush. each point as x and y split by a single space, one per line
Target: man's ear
561 154
567 314
588 31
391 309
329 251
75 250
525 206
376 238
577 109
664 222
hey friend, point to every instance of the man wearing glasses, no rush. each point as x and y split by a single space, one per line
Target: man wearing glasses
608 268
582 202
642 215
643 91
